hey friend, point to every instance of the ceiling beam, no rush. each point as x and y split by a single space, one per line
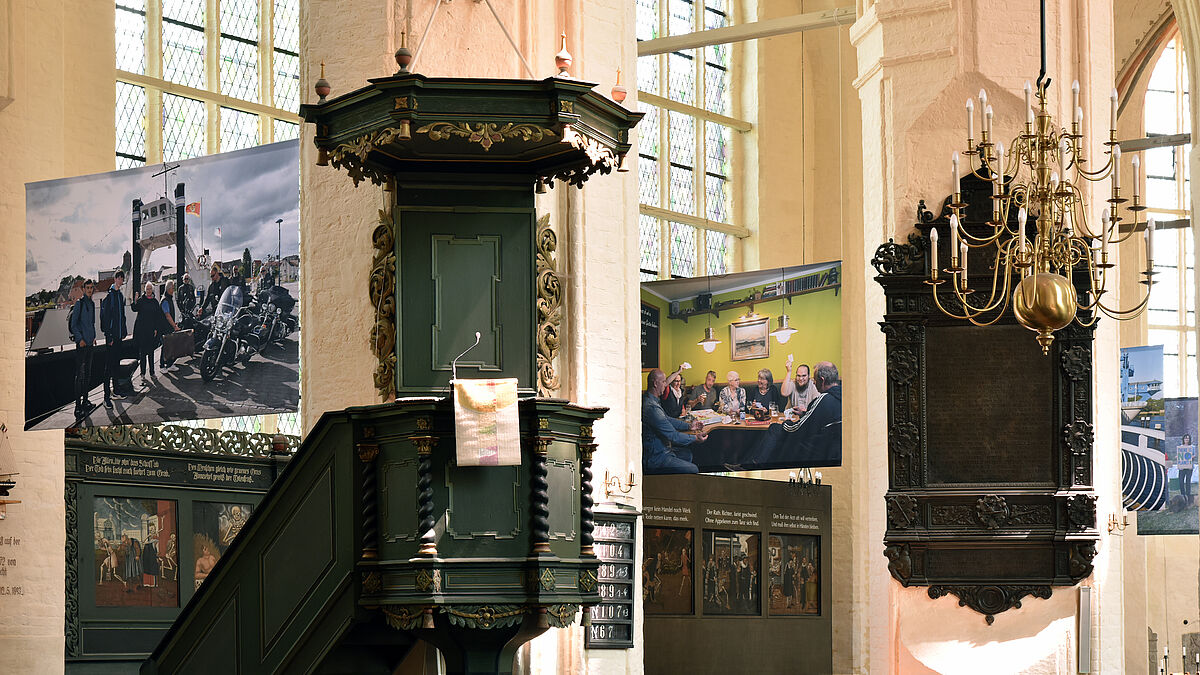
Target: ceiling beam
796 23
1136 144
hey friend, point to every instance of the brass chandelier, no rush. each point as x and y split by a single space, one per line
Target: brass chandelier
1040 174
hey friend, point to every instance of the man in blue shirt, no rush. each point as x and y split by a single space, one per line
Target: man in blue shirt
82 324
661 435
116 327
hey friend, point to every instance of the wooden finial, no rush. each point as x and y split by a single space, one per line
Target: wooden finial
323 72
563 58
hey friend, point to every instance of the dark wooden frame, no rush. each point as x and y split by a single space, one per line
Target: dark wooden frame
975 539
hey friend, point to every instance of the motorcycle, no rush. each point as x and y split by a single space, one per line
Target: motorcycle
278 321
234 334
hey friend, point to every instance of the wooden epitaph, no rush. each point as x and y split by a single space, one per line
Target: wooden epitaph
990 494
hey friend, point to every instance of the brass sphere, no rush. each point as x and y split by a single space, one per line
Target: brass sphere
1044 303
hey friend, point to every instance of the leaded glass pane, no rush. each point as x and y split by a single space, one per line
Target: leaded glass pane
716 14
647 74
682 197
1161 115
647 20
131 39
287 25
1162 193
239 69
252 425
238 129
682 137
185 11
683 250
183 55
648 191
183 127
650 245
286 131
716 198
131 122
716 89
681 76
289 424
681 17
1163 77
648 132
287 81
718 139
240 18
129 162
719 252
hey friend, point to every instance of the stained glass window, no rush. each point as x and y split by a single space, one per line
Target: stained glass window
173 96
183 127
239 69
238 129
131 36
692 177
184 98
131 125
183 54
1171 311
286 131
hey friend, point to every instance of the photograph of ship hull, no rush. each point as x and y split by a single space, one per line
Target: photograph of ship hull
731 573
183 347
667 574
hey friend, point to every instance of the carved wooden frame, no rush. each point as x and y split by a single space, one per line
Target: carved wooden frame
963 521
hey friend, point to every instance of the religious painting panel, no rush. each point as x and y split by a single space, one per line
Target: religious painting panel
732 573
794 575
136 552
668 571
214 528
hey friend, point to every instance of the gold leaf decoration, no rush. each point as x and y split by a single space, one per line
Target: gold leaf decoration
486 134
383 299
549 308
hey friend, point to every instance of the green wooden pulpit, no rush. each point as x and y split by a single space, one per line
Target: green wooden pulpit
374 536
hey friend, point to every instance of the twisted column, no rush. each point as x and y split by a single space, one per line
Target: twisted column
541 497
587 523
425 518
367 452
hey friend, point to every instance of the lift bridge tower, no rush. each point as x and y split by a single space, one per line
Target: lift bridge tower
158 224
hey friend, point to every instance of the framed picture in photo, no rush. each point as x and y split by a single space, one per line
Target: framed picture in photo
750 339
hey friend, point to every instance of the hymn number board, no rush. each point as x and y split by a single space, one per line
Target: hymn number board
612 619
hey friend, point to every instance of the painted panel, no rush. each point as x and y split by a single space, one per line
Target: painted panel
398 494
309 534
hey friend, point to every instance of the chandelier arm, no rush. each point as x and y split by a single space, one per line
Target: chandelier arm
968 237
937 301
1099 174
1127 314
1086 324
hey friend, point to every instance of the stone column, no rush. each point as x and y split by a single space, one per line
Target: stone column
918 62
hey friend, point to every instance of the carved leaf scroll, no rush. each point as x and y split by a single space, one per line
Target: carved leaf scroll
549 308
383 299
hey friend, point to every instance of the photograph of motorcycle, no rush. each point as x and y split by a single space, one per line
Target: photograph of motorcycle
243 325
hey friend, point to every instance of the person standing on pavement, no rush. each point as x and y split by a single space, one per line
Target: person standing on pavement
168 308
82 324
146 328
186 296
116 328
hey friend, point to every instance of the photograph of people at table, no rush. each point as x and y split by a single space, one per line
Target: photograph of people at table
768 343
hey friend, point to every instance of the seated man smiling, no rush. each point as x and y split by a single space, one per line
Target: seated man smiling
663 439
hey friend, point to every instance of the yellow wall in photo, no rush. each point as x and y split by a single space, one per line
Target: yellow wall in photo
817 316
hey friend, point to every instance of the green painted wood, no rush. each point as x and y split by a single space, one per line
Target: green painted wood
466 261
217 649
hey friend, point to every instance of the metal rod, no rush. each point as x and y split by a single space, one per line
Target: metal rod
510 40
454 363
432 15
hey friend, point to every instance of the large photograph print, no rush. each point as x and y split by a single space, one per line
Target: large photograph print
740 371
164 293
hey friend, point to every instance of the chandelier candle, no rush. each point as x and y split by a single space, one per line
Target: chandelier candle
933 253
1039 174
